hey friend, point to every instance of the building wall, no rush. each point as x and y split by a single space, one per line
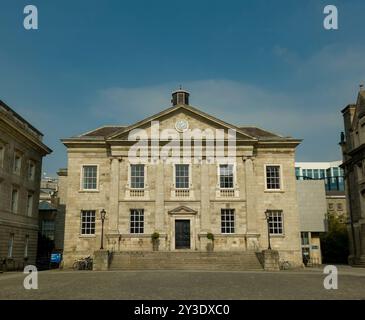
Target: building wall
202 207
337 206
353 149
14 137
312 205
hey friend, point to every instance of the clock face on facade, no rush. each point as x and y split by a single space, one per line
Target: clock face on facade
182 125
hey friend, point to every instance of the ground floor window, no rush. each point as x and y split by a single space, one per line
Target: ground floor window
26 246
11 245
88 222
137 221
276 225
227 220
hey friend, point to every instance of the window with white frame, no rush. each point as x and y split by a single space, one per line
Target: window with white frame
17 162
137 176
226 176
48 229
14 200
31 170
182 176
11 245
276 224
89 177
227 220
137 221
30 204
88 222
26 245
273 178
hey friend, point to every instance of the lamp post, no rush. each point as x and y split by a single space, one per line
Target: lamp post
267 215
102 216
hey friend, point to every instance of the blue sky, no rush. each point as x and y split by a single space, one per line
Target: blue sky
250 62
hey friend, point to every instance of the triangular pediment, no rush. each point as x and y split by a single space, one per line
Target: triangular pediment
183 210
168 118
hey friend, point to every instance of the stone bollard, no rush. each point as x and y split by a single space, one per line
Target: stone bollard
101 260
271 260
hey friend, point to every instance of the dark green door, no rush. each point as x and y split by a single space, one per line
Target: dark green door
182 234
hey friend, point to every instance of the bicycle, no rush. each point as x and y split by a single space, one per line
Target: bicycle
83 264
284 265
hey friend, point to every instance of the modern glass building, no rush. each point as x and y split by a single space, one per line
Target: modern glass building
328 171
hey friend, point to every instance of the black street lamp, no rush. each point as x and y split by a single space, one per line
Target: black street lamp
102 216
267 215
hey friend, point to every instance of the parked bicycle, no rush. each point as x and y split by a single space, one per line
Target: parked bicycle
83 264
284 265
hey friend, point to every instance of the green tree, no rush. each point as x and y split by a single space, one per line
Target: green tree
335 243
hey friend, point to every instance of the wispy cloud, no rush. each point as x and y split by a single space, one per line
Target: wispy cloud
322 84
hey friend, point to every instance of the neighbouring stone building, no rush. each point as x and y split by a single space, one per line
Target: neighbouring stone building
353 149
182 201
333 176
21 153
51 217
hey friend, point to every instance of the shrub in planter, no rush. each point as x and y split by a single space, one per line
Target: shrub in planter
155 240
210 244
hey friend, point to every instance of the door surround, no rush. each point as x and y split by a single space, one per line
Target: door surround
183 213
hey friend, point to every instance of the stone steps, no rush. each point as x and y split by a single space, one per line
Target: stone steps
228 261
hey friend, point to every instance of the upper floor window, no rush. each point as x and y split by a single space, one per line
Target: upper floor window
273 179
137 176
227 221
339 207
89 177
14 200
88 222
31 170
30 204
305 238
48 229
137 221
17 162
276 225
226 176
182 176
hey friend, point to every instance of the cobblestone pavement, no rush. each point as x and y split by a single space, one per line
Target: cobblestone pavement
302 284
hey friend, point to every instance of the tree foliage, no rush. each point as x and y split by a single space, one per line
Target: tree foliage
335 243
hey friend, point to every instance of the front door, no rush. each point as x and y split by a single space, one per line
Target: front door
182 234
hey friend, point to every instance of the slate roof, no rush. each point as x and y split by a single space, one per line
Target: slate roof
260 133
102 131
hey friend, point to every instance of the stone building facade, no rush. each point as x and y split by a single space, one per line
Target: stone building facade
353 149
182 201
21 153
